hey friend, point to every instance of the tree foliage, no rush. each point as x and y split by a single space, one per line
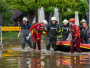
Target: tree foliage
22 5
62 5
5 12
82 7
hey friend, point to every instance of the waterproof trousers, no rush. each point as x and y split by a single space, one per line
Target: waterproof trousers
36 38
78 41
53 42
24 41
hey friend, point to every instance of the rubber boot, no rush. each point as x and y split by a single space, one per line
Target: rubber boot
34 45
23 45
39 47
78 50
72 50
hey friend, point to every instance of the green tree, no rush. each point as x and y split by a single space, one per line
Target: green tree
5 12
82 7
60 4
24 6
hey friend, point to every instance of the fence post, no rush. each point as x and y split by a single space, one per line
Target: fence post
1 34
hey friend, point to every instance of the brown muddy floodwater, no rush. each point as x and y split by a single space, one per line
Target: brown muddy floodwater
15 57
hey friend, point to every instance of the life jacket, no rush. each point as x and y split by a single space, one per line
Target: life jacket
73 31
38 30
65 32
25 30
53 31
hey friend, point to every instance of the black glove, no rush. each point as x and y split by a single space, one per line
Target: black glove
73 32
60 40
74 41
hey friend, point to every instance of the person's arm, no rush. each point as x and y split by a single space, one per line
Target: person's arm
89 34
46 29
34 26
69 37
20 32
77 31
29 26
59 32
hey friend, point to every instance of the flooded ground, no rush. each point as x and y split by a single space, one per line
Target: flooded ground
12 56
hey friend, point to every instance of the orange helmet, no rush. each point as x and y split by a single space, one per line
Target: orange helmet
71 20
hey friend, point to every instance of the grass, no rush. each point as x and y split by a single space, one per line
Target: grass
10 36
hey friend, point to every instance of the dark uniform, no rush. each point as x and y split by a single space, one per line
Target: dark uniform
65 30
86 34
25 33
81 35
52 32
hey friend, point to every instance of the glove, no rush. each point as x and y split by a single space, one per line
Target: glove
60 40
74 41
43 38
27 38
19 34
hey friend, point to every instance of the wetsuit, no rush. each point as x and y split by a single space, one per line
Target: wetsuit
37 30
75 32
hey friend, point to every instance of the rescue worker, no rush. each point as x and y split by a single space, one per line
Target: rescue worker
65 29
25 32
86 32
36 32
75 32
81 25
52 30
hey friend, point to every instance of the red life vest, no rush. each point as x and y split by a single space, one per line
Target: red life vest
38 29
75 31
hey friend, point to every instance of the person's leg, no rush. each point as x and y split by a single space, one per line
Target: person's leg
38 41
29 42
48 44
72 46
34 40
23 43
54 45
78 41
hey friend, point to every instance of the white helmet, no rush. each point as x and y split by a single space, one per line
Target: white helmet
83 20
45 22
53 18
65 21
25 19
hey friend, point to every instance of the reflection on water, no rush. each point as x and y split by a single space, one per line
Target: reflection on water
36 59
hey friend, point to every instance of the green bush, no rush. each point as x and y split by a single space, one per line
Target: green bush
10 35
71 14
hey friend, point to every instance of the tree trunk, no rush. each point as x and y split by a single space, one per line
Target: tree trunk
60 16
36 15
36 12
28 15
83 16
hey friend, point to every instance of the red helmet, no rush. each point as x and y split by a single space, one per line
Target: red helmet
71 20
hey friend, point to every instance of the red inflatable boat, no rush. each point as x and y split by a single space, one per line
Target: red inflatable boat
65 46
